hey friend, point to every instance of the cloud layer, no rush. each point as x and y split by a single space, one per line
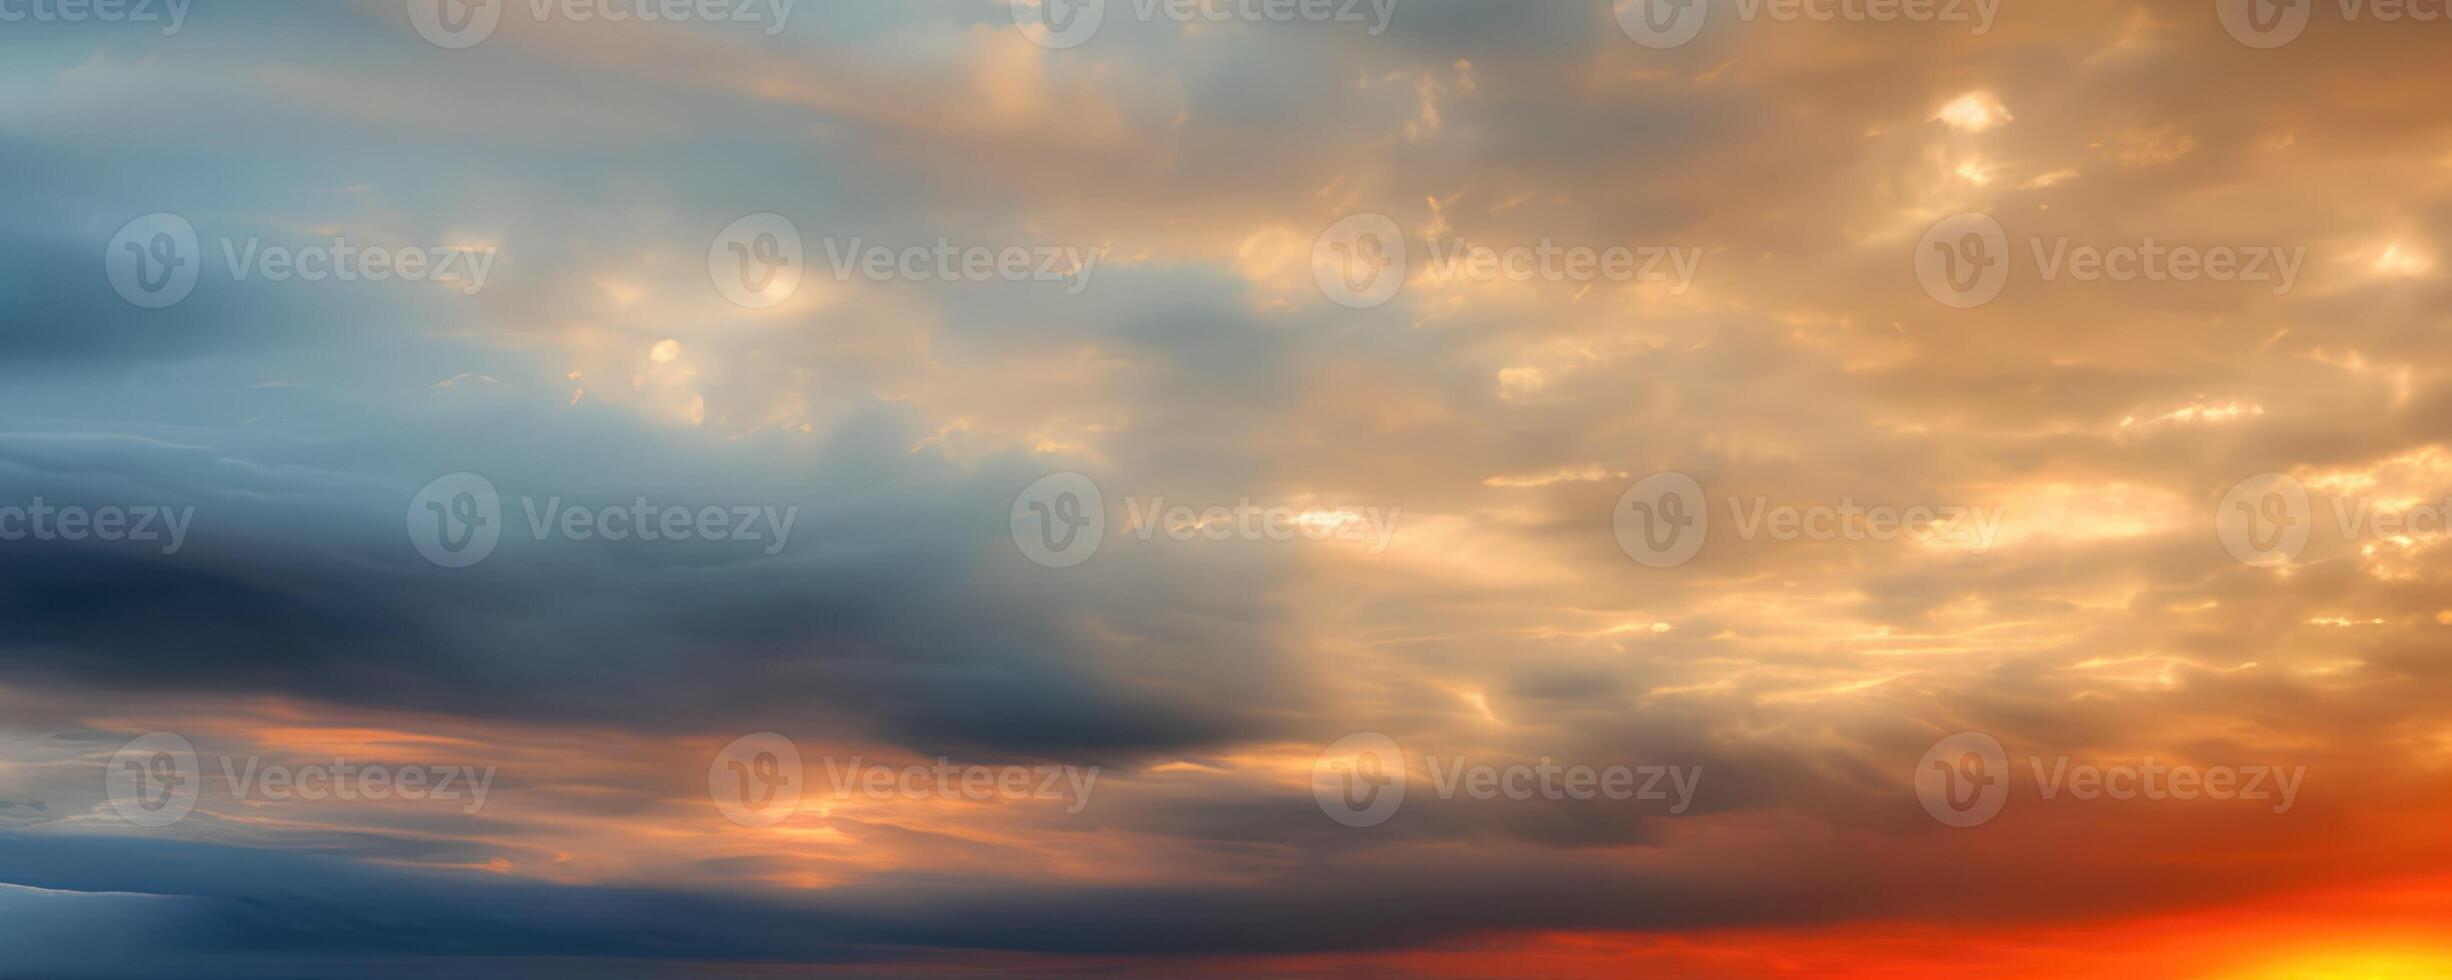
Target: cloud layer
1407 517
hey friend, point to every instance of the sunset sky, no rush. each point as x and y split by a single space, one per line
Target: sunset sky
1146 490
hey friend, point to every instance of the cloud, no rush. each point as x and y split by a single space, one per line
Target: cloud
1497 421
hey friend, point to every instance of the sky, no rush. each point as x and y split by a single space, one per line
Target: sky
1450 488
